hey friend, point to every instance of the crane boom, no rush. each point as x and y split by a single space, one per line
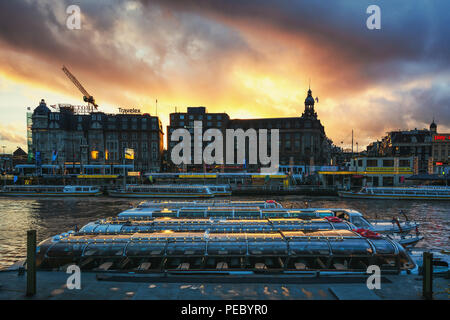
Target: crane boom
86 96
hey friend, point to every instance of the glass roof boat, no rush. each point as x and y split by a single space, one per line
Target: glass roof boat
281 252
171 191
237 210
122 225
162 191
49 191
208 203
400 193
215 225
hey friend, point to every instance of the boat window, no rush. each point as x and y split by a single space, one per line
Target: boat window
191 213
343 215
224 213
267 248
77 189
309 247
186 248
351 246
104 249
360 222
275 213
342 226
227 248
383 247
245 213
114 228
66 250
145 249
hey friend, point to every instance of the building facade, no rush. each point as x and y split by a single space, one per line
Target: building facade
441 148
372 172
65 138
302 140
415 143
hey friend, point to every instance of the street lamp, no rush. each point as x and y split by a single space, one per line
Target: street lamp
4 165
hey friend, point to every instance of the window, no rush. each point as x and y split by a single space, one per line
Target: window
388 163
404 163
372 163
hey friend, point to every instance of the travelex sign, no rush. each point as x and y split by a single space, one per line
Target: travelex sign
213 152
130 110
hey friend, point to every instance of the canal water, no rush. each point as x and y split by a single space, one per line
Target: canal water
50 216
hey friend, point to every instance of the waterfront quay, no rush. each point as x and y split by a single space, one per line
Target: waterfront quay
51 285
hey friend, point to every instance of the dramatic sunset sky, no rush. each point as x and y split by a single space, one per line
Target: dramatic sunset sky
249 58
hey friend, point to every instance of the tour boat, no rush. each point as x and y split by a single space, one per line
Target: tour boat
399 193
162 191
49 191
124 225
441 259
352 216
121 225
220 190
164 252
209 203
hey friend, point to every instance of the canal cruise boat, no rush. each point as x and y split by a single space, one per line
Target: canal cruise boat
329 252
258 212
400 193
220 189
49 191
162 191
209 203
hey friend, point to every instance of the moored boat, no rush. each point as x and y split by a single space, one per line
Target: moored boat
327 251
208 203
400 193
220 189
128 226
50 191
352 216
162 191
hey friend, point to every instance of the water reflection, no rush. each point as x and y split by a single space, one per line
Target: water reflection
53 216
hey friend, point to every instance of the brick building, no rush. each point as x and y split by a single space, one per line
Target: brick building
302 139
66 137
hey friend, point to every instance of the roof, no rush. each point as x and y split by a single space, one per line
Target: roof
19 152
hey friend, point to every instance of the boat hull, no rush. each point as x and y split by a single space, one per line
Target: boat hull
355 195
49 194
157 195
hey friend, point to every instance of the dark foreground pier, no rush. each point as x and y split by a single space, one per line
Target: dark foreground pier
124 286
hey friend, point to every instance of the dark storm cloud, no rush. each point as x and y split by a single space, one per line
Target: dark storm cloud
413 42
37 28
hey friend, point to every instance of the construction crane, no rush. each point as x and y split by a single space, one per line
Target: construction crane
86 96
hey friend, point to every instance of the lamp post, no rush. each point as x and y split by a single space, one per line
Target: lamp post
4 165
357 159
